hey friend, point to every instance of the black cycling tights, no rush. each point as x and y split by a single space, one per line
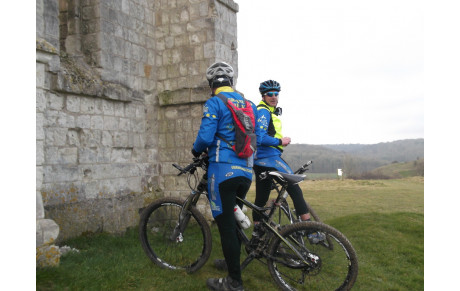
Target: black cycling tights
231 245
263 188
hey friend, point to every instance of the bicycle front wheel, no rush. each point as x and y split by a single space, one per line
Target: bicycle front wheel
309 264
172 240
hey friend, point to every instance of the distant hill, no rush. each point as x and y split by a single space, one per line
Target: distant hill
357 158
398 170
400 150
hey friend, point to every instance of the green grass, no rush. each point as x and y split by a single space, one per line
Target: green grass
383 219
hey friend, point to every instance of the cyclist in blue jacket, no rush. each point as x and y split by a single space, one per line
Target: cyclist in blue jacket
268 156
228 175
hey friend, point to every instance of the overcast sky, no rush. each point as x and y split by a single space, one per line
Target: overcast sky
350 71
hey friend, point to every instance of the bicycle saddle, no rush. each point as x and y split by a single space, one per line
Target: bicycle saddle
289 178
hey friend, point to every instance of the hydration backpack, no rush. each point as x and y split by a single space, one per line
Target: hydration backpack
244 121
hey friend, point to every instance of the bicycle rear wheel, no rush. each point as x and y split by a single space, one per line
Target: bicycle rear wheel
169 247
323 268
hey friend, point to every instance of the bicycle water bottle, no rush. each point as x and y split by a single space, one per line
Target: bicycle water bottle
241 218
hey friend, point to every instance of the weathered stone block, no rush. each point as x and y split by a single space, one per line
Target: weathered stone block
68 155
47 231
73 103
88 106
121 155
107 139
55 136
73 137
90 138
108 107
47 256
97 122
40 100
119 109
39 178
65 120
209 50
83 121
124 124
110 123
40 75
87 156
39 129
40 211
120 139
103 154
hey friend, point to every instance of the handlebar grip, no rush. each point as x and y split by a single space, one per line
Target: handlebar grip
197 162
303 169
179 168
307 164
186 169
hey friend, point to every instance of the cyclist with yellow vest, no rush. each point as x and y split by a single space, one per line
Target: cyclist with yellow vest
270 142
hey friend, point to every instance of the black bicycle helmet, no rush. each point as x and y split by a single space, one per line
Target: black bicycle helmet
220 74
269 85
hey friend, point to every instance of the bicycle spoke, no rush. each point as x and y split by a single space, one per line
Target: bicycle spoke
168 246
326 269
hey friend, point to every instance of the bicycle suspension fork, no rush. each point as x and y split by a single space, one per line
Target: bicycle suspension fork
185 213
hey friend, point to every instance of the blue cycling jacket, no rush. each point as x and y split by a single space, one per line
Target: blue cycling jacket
268 142
217 118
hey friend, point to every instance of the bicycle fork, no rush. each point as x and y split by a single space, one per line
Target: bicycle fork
184 217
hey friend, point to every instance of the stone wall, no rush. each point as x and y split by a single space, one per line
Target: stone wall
189 39
120 88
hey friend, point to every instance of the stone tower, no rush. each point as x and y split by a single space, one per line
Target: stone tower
120 88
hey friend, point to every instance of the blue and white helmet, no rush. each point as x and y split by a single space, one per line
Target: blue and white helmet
220 74
269 85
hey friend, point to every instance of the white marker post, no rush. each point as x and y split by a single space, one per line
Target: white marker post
340 174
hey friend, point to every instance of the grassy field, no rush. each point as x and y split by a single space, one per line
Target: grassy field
383 219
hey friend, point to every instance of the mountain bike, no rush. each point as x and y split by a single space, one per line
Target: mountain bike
285 214
175 235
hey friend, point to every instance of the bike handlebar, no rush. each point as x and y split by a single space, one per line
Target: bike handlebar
303 169
197 162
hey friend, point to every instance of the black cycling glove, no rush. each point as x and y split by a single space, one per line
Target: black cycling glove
195 153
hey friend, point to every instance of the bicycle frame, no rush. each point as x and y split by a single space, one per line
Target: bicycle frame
267 219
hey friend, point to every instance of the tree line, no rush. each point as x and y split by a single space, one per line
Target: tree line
353 158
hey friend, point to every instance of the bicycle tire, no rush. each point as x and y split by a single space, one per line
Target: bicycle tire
313 213
335 269
188 252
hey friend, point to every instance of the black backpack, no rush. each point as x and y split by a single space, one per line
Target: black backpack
244 121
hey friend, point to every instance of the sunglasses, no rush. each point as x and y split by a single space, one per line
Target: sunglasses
271 94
